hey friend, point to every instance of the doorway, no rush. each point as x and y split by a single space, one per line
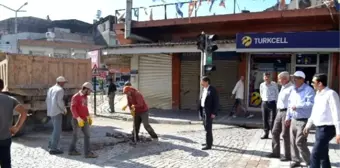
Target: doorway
309 72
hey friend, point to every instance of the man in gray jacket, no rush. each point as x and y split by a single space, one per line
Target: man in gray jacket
55 109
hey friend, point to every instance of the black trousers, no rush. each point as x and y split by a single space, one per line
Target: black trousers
207 122
268 115
5 153
319 155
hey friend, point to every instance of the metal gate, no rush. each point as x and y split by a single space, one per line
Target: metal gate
190 79
155 80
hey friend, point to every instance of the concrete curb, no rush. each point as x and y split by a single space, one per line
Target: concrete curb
248 124
224 120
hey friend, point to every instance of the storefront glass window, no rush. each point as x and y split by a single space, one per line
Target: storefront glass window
306 59
323 66
259 64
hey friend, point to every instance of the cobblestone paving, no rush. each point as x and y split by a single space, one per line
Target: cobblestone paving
179 146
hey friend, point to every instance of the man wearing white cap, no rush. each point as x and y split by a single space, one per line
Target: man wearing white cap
300 104
55 109
81 120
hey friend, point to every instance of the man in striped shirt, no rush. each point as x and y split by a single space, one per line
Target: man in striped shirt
268 92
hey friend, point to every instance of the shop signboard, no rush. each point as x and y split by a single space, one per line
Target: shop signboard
337 4
288 41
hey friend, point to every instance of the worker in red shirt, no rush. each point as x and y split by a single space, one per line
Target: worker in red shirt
81 119
137 105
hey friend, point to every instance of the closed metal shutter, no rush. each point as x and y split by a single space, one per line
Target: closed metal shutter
155 80
190 79
224 79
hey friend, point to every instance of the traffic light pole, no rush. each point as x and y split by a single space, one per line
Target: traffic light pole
203 60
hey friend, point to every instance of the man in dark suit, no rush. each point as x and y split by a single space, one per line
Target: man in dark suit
208 107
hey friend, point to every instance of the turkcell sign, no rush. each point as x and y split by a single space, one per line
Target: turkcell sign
287 40
271 40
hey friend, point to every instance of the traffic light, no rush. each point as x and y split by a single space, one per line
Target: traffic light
209 68
207 44
201 42
211 46
211 43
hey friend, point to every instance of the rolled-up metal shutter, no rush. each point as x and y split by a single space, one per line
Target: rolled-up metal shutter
155 80
224 79
190 79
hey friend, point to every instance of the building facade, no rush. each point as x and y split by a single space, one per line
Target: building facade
55 48
167 73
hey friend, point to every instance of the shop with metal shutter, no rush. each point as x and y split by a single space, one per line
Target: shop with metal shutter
155 80
224 78
117 62
190 79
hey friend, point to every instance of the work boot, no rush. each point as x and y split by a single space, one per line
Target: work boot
74 153
56 152
91 155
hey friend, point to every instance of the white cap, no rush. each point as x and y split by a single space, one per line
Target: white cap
299 74
61 79
88 85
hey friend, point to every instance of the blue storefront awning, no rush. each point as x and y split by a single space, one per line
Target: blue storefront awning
327 41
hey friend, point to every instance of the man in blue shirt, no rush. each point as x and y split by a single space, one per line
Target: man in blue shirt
300 104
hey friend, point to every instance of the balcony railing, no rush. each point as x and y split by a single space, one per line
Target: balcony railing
204 8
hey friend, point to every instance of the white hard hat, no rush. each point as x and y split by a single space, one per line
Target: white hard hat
299 74
61 79
88 85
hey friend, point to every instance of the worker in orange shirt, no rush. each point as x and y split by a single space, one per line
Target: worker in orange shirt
81 119
140 112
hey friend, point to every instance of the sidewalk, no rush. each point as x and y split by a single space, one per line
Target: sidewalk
184 117
168 116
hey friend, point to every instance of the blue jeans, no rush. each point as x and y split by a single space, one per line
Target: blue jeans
86 131
320 156
57 128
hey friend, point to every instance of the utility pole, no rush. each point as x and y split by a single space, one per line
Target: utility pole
207 45
16 15
235 6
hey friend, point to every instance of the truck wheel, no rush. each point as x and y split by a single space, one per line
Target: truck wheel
67 125
22 130
40 117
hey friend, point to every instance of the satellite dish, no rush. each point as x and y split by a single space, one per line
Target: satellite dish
303 4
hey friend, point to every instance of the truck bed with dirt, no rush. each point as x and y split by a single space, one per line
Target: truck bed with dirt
28 78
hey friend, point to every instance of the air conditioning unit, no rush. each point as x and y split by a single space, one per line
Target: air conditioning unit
50 36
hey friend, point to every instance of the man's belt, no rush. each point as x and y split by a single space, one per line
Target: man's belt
272 101
282 110
301 119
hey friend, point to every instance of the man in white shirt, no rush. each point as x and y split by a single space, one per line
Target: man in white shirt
208 107
279 123
326 117
55 109
268 92
238 92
